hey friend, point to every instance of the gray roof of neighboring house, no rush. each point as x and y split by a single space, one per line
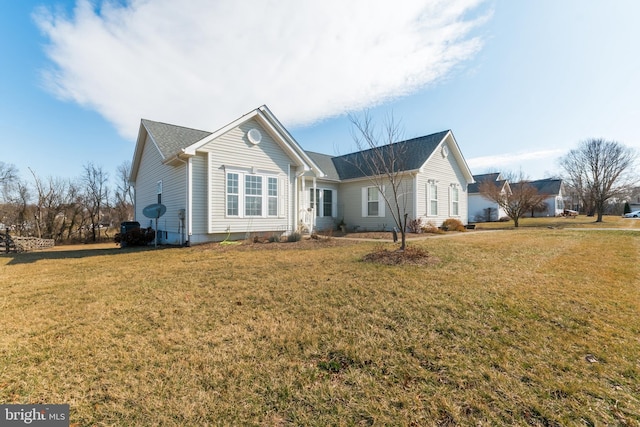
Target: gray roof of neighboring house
479 179
494 176
414 153
171 138
547 186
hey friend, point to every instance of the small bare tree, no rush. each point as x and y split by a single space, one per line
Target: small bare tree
599 170
516 200
123 198
96 195
381 159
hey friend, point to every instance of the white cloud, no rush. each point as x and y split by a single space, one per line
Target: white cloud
203 63
514 161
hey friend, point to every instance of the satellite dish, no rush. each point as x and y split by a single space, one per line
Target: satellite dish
254 136
155 210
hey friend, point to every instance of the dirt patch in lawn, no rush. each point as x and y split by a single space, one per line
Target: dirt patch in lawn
410 256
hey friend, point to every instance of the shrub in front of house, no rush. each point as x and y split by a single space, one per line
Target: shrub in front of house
430 227
415 225
453 224
135 237
294 237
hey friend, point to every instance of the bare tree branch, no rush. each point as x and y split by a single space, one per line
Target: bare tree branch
518 198
599 170
381 160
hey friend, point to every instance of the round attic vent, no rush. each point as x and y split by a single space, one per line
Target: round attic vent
254 136
445 151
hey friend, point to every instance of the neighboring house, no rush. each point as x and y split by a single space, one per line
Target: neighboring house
251 176
481 208
554 191
634 199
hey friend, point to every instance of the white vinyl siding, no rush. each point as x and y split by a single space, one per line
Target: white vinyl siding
156 178
444 172
233 153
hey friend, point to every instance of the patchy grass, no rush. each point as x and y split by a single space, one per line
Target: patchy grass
525 327
581 221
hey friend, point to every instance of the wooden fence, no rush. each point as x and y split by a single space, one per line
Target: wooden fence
23 244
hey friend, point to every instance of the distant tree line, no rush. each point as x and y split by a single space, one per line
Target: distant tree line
65 209
599 177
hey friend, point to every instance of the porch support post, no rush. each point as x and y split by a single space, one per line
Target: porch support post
189 216
303 199
315 206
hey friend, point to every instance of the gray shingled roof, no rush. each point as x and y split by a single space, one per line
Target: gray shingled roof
325 163
547 186
171 138
479 179
414 152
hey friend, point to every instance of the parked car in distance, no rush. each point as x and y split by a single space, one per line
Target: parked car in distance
569 213
634 214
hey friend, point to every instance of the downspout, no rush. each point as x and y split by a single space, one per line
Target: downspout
315 206
188 200
303 198
297 200
415 195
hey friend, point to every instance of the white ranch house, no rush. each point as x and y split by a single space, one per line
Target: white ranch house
252 176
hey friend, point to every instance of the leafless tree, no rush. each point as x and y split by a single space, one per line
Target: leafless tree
8 176
599 170
8 173
123 200
517 199
381 159
51 206
96 195
22 208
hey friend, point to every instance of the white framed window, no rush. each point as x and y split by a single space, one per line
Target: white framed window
455 200
251 195
272 196
372 202
233 205
159 191
432 197
326 204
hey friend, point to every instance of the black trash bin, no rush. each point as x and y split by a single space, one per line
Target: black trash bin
127 226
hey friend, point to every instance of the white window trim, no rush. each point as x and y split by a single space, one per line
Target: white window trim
365 202
242 194
453 187
430 185
319 204
227 194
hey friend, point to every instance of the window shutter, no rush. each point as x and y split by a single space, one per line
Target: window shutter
364 202
283 198
381 203
334 203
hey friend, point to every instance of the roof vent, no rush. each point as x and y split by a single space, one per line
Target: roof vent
254 136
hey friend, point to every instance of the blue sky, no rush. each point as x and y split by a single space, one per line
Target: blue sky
518 82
